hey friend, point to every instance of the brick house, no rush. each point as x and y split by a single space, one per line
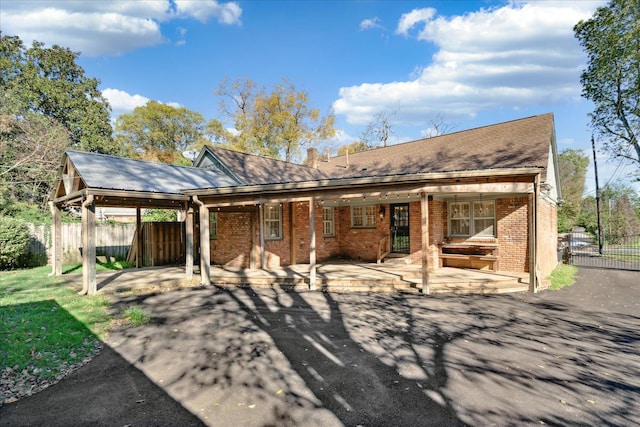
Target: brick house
484 198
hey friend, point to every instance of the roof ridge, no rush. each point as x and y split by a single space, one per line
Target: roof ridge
440 136
257 155
69 150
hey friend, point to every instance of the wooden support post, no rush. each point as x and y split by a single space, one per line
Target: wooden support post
205 253
189 243
253 253
56 240
532 240
424 225
88 247
263 262
139 245
312 245
293 243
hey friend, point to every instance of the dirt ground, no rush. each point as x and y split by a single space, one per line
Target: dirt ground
229 357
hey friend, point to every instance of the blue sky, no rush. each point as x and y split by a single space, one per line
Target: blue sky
469 63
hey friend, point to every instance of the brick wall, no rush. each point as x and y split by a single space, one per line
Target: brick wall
360 243
512 216
239 232
235 239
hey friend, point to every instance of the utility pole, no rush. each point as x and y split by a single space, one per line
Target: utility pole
595 168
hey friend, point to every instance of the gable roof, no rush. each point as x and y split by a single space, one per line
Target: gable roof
250 169
100 171
519 143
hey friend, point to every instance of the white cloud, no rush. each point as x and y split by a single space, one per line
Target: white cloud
202 10
409 20
368 24
106 27
517 55
123 102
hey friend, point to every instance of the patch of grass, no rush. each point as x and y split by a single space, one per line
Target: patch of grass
45 326
563 275
135 316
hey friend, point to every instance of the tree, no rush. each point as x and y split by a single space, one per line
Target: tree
378 131
354 147
160 132
31 147
438 126
611 197
275 124
572 168
49 82
623 220
611 39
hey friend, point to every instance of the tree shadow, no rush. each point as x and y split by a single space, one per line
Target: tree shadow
107 391
275 357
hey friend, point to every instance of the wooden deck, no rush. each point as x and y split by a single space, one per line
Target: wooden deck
334 277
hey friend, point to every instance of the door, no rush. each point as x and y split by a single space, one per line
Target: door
400 228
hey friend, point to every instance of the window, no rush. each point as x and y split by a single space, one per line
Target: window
363 216
213 225
476 218
328 223
272 221
484 218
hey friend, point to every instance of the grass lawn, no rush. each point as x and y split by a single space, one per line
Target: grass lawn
563 275
45 326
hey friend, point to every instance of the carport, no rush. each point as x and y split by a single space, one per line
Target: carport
88 180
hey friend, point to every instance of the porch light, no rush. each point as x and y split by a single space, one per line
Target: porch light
382 212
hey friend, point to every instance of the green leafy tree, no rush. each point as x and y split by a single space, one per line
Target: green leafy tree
611 39
354 147
14 242
572 168
276 123
160 132
49 82
623 221
31 147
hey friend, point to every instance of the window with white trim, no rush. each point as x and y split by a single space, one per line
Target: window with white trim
213 225
328 221
472 218
363 216
272 221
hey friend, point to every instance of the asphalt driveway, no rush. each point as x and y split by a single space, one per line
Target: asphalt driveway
273 358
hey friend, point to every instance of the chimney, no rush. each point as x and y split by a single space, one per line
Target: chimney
312 158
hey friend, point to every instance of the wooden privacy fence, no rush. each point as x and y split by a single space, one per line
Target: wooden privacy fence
163 243
112 242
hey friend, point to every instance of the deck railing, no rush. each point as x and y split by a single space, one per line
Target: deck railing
383 248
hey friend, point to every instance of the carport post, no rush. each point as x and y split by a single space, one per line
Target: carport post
138 237
56 240
205 254
189 243
424 225
89 246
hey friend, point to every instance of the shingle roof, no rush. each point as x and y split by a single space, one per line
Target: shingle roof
257 170
514 144
117 173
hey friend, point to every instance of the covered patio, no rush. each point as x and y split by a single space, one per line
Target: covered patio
330 277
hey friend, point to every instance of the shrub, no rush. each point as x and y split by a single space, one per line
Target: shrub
14 242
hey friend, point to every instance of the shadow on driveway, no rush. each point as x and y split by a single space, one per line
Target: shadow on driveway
276 358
